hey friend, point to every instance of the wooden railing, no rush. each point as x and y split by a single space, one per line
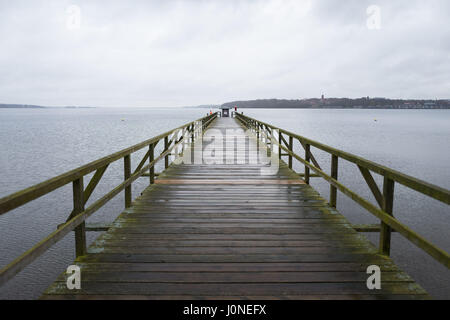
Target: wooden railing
384 198
178 137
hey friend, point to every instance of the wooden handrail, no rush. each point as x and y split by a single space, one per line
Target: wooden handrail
421 186
79 214
385 200
24 196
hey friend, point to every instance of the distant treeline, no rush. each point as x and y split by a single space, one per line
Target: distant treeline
30 106
27 106
361 103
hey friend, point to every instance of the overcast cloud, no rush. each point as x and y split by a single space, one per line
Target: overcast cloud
178 53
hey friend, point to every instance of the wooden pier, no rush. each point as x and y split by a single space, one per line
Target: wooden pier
226 231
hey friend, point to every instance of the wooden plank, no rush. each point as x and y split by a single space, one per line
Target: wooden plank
204 267
238 297
224 289
236 277
226 258
124 242
144 250
151 220
228 182
329 237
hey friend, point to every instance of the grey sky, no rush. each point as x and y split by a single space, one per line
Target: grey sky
176 53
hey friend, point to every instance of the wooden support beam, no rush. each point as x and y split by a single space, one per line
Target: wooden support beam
367 227
142 163
388 206
90 188
127 175
98 227
291 147
284 140
152 166
148 174
93 183
166 147
372 185
313 159
334 175
78 207
311 175
307 159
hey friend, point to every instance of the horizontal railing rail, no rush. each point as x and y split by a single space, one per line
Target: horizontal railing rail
173 140
384 198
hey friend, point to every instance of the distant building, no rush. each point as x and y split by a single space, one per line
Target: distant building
225 111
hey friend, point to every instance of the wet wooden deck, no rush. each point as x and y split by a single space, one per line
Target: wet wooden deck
225 231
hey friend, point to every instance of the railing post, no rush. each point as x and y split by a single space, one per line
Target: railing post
152 166
257 132
78 207
334 175
257 139
166 147
192 158
388 205
291 148
307 158
127 175
183 140
279 144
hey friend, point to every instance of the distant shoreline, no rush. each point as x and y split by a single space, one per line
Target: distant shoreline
346 108
340 103
278 104
27 106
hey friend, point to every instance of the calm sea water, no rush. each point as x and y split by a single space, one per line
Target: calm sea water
37 144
